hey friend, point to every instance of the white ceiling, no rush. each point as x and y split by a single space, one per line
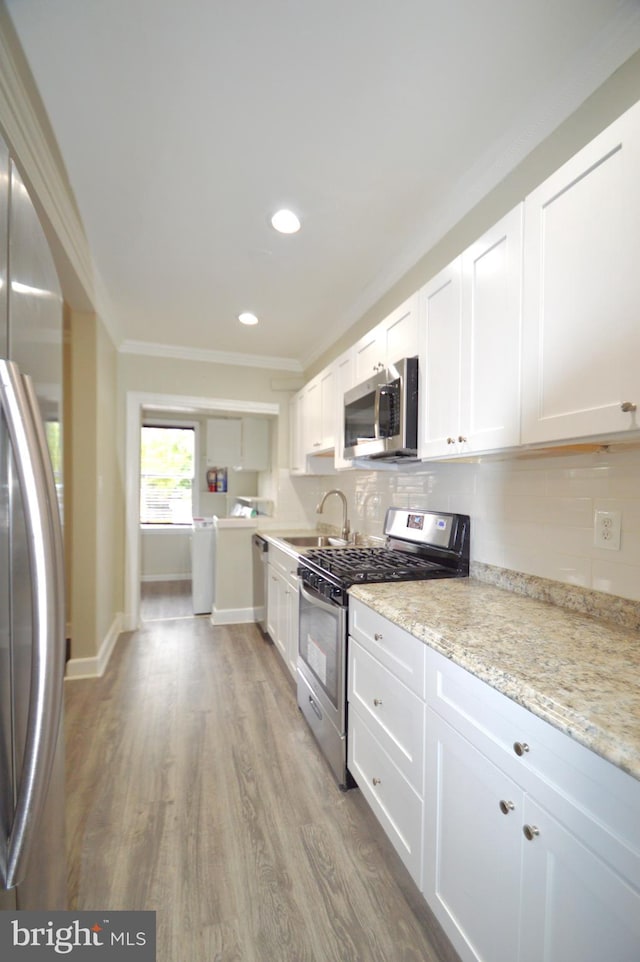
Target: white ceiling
183 125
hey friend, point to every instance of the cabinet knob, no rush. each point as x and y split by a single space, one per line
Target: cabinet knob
461 439
520 748
451 440
376 781
530 832
628 407
506 807
378 636
377 702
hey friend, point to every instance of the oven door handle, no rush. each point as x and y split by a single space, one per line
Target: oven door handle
315 599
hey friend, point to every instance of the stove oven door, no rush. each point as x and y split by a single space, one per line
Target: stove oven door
322 651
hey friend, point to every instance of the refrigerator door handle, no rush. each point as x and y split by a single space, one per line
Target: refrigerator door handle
44 539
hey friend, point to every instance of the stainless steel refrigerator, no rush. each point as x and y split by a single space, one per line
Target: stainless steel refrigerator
32 621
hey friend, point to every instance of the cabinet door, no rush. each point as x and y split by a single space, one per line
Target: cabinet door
401 329
441 324
369 353
312 418
328 408
490 351
296 454
473 850
344 380
276 611
293 607
255 444
575 907
581 336
224 442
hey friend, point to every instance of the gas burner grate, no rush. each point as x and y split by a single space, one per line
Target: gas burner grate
371 564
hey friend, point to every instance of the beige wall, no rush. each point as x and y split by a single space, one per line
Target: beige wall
110 489
95 484
82 505
204 380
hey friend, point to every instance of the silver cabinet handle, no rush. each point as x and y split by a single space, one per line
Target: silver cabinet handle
461 439
44 540
506 807
376 781
628 407
377 702
378 636
451 440
520 748
530 832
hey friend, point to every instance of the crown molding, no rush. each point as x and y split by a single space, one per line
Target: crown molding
174 351
32 145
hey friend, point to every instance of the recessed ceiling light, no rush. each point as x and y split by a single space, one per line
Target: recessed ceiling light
247 318
285 221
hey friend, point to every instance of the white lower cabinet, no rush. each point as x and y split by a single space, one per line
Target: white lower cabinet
283 605
385 742
532 842
525 844
396 804
472 849
575 907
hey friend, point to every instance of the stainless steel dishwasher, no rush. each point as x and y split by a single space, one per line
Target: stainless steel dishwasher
260 551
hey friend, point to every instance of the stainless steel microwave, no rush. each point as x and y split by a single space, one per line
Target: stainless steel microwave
381 414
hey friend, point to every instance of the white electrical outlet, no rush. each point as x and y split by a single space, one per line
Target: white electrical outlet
606 530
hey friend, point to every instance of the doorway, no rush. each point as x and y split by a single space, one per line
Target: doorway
138 405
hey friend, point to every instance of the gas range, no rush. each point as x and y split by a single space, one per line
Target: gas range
421 545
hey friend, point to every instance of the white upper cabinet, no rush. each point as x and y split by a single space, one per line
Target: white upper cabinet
255 439
440 362
581 327
224 442
393 339
240 443
471 324
344 380
319 412
491 331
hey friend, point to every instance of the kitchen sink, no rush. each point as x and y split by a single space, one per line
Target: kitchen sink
316 541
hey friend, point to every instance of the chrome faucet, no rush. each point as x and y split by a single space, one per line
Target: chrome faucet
345 523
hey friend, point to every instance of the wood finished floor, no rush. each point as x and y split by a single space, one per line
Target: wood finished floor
160 600
195 789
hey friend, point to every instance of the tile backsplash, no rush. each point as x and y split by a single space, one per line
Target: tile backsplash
534 514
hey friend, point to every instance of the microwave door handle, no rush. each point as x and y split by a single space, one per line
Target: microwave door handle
376 413
47 662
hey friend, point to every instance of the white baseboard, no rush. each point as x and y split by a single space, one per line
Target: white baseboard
167 577
233 616
94 667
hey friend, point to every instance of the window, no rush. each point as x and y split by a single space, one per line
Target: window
167 459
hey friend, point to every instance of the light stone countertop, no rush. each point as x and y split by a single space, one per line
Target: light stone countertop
579 673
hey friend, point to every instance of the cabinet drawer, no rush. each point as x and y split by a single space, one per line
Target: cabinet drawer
395 803
395 714
283 561
593 797
394 647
